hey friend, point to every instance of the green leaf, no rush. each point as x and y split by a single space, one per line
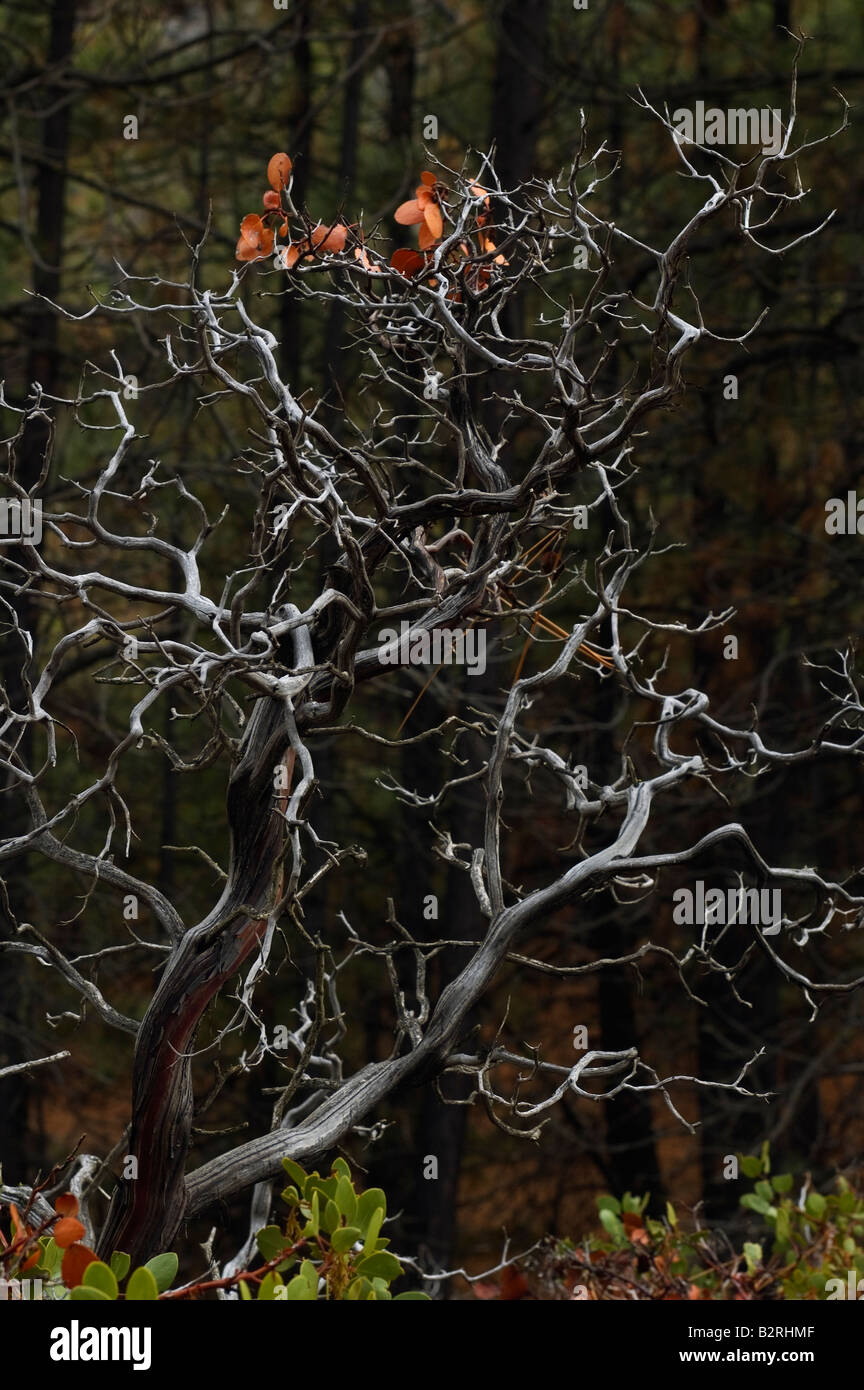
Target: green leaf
267 1287
372 1230
344 1238
750 1167
142 1286
381 1265
271 1242
330 1219
414 1294
671 1216
765 1190
782 1182
164 1269
245 1295
295 1171
765 1154
100 1276
608 1204
359 1288
753 1255
346 1198
313 1225
87 1293
297 1289
367 1203
634 1204
783 1229
341 1167
326 1186
120 1264
52 1255
757 1203
291 1196
815 1205
611 1223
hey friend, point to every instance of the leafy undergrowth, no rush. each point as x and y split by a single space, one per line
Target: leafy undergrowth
810 1246
329 1247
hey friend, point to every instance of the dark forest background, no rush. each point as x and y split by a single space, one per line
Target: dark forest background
345 89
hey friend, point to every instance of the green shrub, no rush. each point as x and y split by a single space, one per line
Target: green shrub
330 1246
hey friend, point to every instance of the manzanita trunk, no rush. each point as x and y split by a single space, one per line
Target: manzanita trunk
148 1208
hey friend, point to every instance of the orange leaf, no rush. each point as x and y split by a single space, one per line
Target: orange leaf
425 238
67 1231
251 227
279 171
75 1261
20 1236
66 1204
271 201
424 197
409 213
328 238
370 266
256 240
429 179
291 255
434 220
407 262
486 1290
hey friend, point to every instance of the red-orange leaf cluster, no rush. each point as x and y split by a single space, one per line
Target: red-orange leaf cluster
424 208
473 260
256 240
258 236
319 240
425 211
67 1234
